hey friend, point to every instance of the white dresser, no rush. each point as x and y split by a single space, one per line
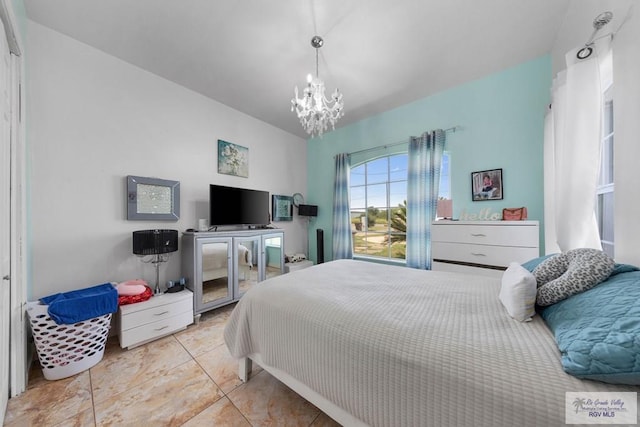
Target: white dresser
157 317
482 247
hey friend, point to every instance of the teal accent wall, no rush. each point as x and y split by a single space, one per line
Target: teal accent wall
500 120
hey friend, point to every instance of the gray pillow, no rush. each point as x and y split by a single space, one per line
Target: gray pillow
563 275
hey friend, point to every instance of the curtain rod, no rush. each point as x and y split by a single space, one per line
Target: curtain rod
451 129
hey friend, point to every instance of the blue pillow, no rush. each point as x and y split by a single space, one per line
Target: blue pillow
598 331
623 268
617 269
533 263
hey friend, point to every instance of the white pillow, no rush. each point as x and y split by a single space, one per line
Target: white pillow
518 292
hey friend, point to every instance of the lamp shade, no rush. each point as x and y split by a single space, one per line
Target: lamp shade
154 242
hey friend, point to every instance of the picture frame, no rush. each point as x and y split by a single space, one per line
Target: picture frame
233 159
152 199
281 208
487 185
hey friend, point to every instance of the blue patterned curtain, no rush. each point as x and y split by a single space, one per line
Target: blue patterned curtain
342 238
423 182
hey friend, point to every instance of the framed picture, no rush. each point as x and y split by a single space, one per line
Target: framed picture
152 199
233 159
486 185
282 208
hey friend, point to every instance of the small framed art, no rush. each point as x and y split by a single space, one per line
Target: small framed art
486 185
282 208
233 159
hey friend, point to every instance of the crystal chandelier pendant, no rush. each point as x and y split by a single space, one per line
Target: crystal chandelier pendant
315 111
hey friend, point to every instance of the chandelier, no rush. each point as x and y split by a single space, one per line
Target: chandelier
314 110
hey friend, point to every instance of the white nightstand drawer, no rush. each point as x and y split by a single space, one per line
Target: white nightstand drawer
150 331
157 308
501 234
482 254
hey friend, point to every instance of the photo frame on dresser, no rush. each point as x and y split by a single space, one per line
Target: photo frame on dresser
487 185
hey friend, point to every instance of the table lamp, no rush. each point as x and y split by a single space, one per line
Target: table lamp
158 243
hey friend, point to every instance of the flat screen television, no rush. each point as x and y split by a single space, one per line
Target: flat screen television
237 206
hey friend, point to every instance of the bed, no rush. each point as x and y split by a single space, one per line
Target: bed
215 261
380 345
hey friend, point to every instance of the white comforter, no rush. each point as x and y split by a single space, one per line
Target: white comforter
401 347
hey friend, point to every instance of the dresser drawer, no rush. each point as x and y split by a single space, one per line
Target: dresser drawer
131 317
499 235
499 256
150 331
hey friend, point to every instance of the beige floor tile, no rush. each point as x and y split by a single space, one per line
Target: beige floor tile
167 400
121 370
221 367
51 402
265 401
324 420
220 414
207 334
83 419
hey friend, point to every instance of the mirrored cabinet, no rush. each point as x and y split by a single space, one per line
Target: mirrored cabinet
221 266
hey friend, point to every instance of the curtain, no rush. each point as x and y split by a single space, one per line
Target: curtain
423 182
572 153
342 237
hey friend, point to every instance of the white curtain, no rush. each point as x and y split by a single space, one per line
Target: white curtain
572 152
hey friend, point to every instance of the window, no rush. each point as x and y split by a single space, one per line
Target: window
379 205
604 191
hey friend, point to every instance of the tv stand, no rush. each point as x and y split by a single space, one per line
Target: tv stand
221 266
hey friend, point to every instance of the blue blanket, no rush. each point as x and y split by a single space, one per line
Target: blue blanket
598 331
83 304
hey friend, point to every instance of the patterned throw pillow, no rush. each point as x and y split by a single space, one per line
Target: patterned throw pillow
570 273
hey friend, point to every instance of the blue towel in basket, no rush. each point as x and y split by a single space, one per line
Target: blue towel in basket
83 304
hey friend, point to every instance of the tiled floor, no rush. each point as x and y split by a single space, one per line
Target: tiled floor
186 379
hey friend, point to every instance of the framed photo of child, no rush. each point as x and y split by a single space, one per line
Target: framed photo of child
486 185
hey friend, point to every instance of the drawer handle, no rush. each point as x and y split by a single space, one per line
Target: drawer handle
478 235
160 314
477 254
159 329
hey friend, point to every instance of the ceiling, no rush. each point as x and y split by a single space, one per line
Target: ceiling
249 54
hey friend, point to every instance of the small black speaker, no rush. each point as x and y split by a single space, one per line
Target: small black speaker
320 245
308 210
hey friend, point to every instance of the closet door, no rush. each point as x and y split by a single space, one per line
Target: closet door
5 220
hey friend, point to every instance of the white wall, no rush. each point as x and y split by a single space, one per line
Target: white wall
626 95
94 119
577 28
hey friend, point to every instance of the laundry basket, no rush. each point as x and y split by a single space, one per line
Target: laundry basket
66 350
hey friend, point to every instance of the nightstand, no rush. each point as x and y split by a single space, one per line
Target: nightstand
155 318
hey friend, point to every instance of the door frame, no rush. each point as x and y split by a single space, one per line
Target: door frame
18 226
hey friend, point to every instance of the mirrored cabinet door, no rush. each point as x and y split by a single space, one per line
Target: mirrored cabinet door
248 263
273 252
215 271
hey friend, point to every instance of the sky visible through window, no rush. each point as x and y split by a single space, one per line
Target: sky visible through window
393 168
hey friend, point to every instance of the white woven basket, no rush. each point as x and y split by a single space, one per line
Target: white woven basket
66 350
